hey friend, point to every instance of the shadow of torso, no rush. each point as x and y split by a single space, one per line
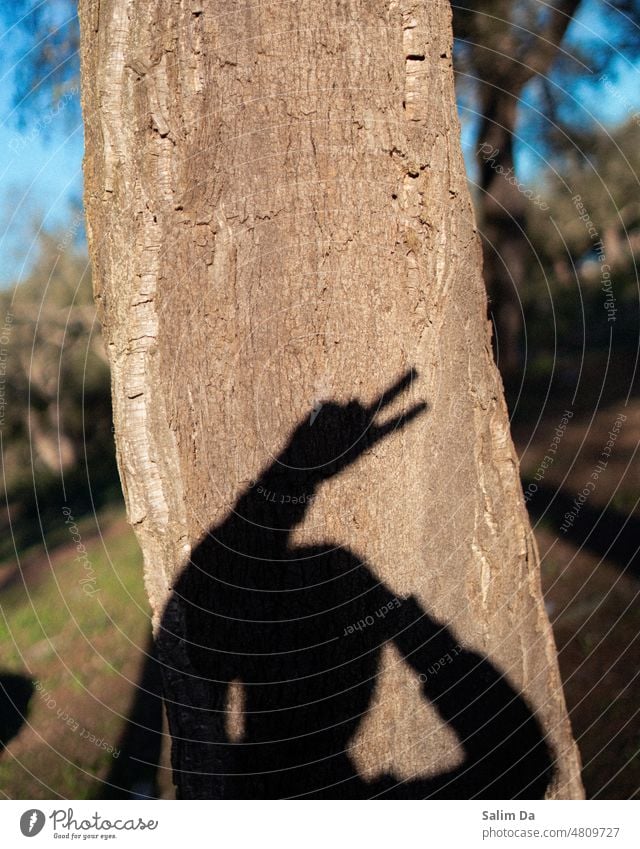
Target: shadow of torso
302 635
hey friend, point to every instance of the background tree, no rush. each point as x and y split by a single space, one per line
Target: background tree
502 46
517 75
56 409
276 201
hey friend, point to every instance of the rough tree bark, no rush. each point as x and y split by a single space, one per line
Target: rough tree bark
278 214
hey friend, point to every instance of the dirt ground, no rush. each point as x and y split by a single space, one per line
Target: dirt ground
590 577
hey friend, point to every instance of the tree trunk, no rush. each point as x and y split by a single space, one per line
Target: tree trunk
506 57
502 215
279 223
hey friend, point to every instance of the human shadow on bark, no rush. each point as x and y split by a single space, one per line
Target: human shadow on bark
270 652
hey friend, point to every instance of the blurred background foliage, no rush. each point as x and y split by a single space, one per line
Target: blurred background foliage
57 440
549 104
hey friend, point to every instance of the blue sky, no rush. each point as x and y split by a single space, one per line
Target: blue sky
609 103
41 150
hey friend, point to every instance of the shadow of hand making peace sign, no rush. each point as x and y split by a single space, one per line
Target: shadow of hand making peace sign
292 636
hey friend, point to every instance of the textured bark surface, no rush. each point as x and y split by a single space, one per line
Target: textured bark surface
278 214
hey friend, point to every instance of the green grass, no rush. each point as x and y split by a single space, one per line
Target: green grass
85 649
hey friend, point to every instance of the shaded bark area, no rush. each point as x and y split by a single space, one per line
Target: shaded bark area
278 219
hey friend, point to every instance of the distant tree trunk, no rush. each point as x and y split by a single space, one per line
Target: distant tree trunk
502 209
505 57
278 214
